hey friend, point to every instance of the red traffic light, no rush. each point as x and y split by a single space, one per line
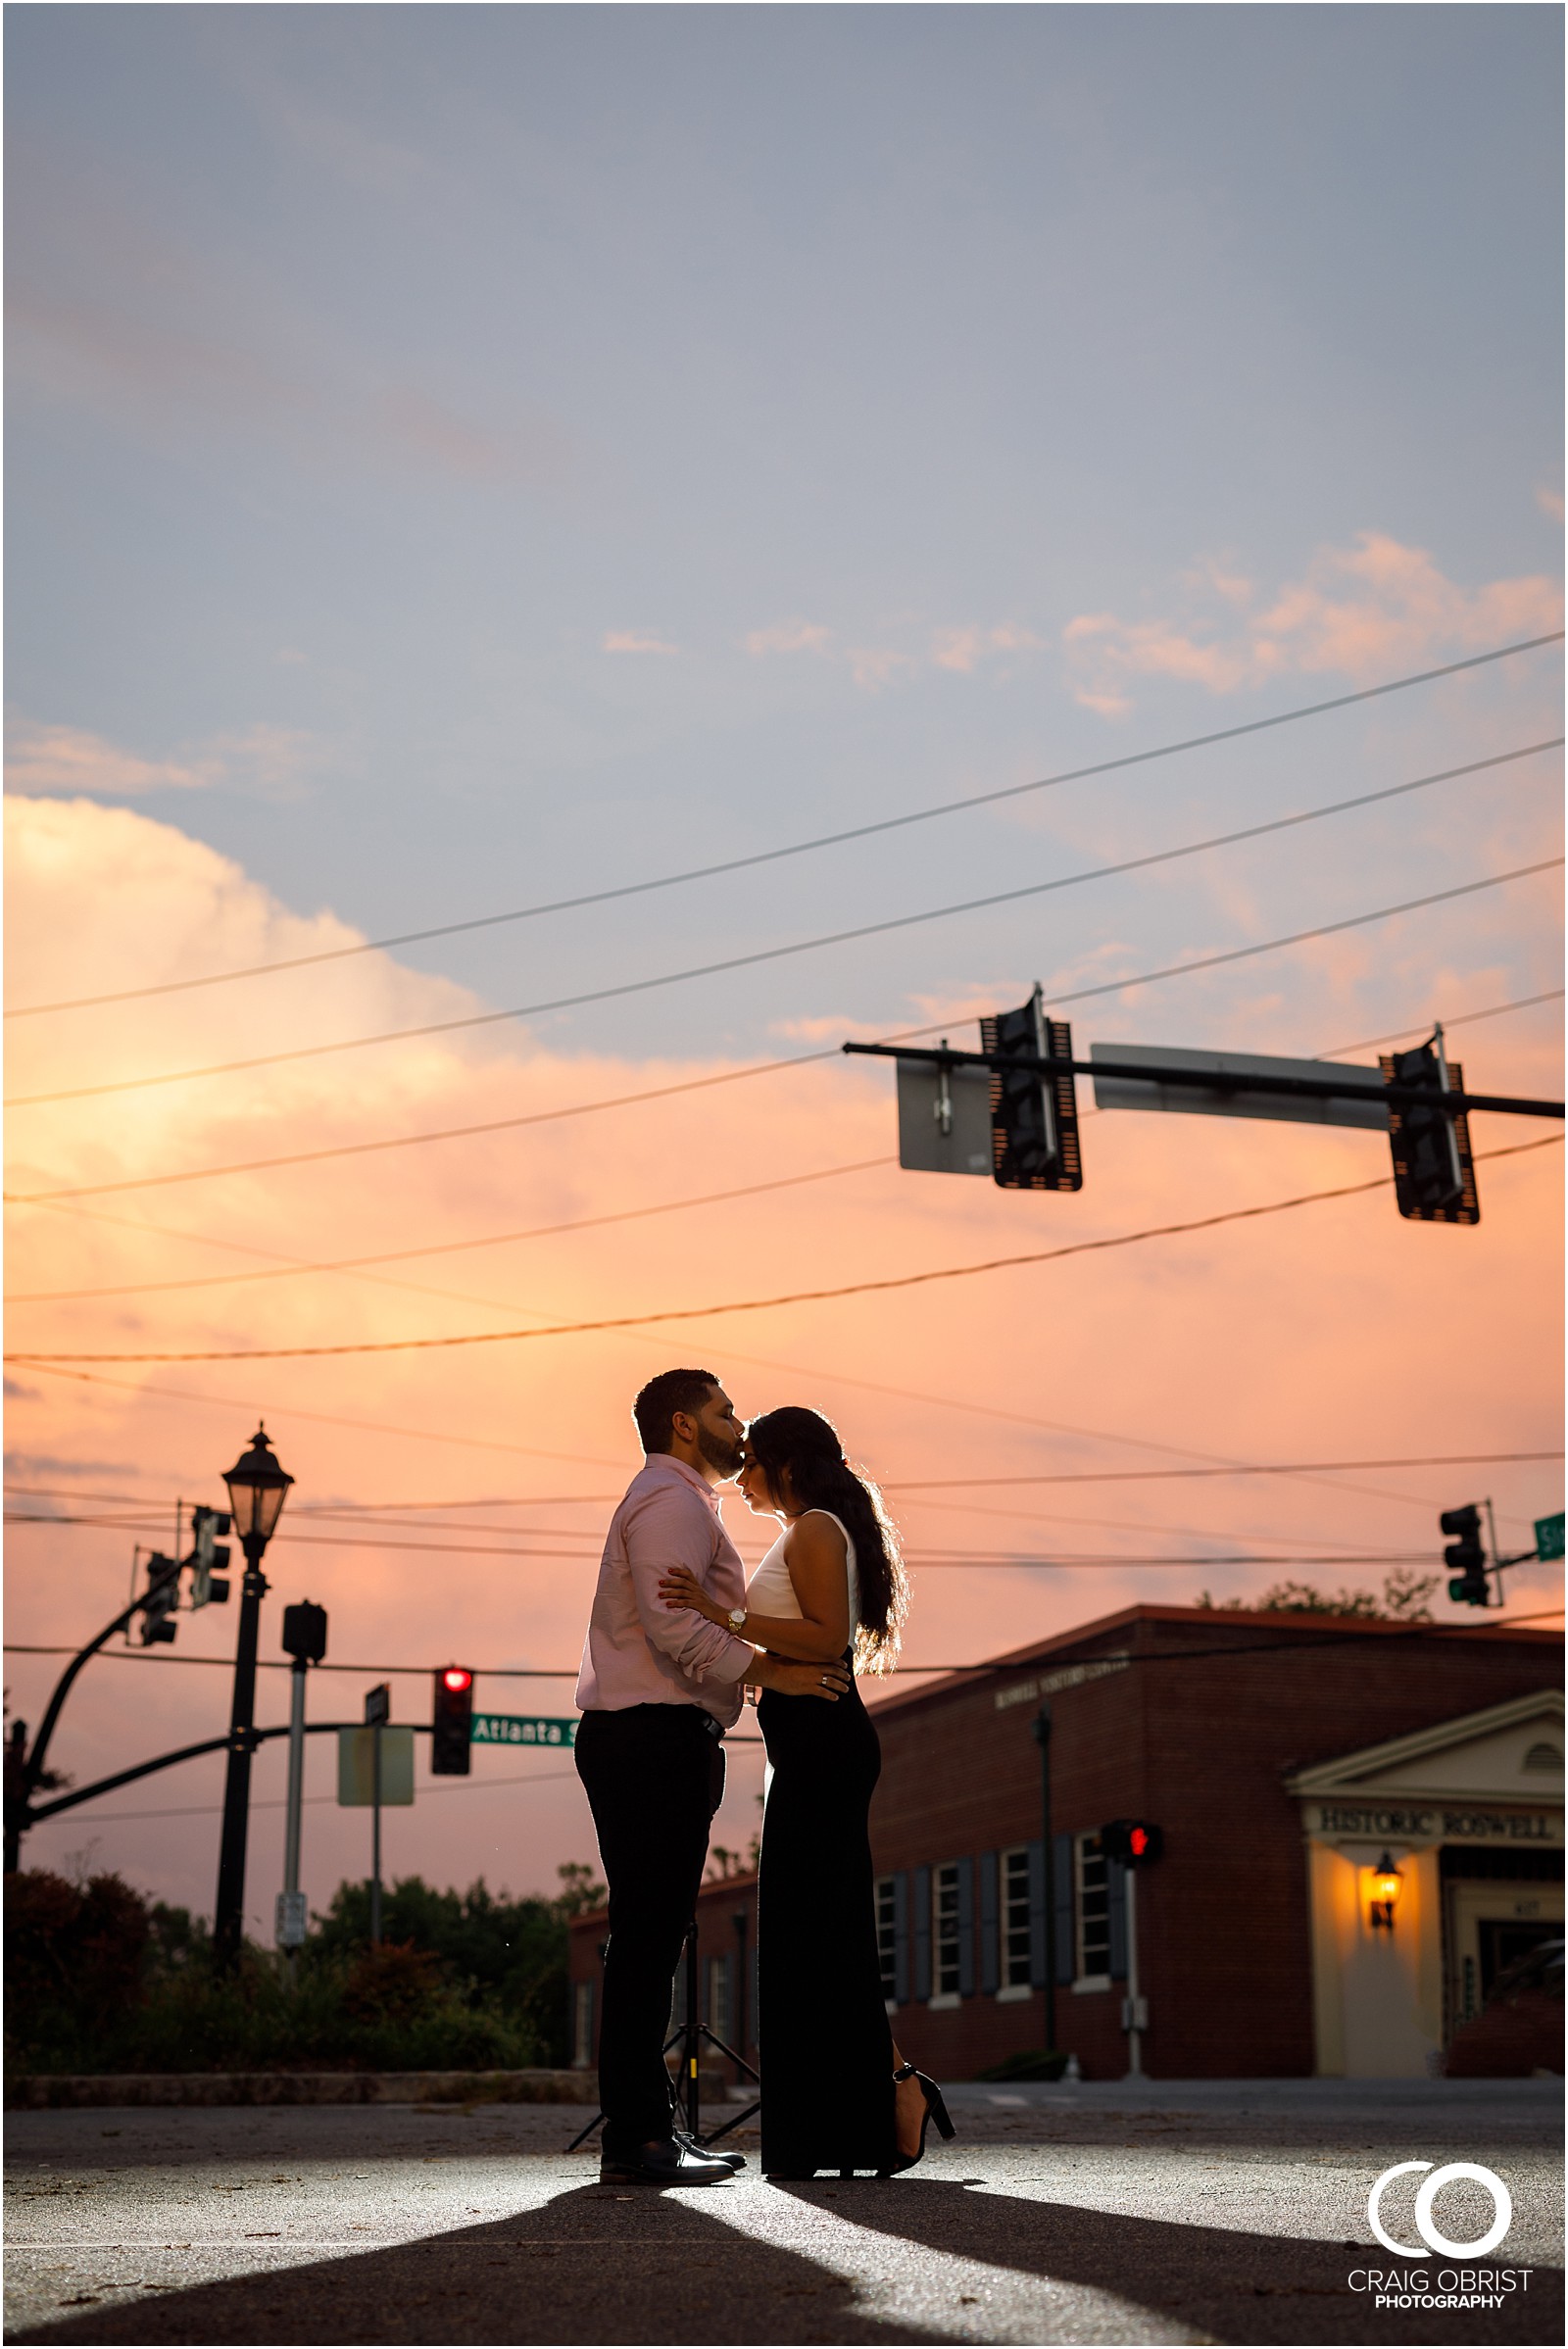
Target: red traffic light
456 1678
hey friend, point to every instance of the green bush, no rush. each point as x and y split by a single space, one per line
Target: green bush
99 1980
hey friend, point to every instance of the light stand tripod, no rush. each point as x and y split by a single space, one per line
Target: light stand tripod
689 2036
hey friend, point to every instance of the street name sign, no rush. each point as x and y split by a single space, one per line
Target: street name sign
1548 1536
520 1729
1230 1098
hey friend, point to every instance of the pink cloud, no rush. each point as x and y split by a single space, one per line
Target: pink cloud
789 636
48 760
636 640
1357 612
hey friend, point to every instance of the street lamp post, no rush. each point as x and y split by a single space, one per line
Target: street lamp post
257 1489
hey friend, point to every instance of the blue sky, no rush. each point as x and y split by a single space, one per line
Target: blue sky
376 370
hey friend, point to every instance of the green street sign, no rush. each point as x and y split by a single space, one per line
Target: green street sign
1548 1537
519 1729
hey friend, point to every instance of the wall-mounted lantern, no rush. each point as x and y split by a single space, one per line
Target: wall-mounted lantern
1384 1889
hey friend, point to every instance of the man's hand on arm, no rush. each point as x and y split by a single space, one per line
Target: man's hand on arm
828 1681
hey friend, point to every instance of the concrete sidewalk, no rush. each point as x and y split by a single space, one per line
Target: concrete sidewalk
1098 2213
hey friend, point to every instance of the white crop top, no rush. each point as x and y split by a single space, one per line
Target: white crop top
772 1592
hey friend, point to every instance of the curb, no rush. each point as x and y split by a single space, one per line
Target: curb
66 2091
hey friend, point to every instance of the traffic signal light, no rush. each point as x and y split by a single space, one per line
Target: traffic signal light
1135 1843
451 1716
157 1625
1034 1118
305 1633
1466 1557
207 1552
1434 1177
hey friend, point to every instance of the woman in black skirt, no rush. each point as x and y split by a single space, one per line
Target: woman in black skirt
835 2092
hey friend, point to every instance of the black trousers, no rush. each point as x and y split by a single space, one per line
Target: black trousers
823 2028
654 1776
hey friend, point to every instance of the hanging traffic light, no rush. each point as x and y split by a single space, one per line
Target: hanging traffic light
450 1717
1434 1176
1466 1557
1034 1117
157 1625
1135 1842
207 1553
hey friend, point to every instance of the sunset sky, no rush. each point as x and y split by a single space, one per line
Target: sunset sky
467 458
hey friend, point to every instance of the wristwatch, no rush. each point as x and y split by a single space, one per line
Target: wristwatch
737 1620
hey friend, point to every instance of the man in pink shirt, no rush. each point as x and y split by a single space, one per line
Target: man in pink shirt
658 1688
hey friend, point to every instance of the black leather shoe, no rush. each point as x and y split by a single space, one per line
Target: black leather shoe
710 2153
664 2161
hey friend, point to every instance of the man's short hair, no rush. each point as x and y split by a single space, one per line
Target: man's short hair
672 1391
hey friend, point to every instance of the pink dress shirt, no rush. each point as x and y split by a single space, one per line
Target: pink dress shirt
640 1651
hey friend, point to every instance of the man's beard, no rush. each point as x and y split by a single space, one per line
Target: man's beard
719 1452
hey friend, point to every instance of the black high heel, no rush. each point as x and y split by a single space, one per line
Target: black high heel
935 2110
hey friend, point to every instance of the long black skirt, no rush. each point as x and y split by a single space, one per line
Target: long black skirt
822 2027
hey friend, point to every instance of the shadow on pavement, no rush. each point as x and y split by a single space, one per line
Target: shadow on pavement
592 2265
1227 2285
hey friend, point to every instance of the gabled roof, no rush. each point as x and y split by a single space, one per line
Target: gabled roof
1474 1756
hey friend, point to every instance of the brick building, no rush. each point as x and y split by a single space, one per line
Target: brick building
1284 1757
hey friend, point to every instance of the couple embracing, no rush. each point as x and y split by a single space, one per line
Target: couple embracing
675 1640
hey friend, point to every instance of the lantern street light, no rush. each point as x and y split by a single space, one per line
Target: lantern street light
1387 1886
257 1489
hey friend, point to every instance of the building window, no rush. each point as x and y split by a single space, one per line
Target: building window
945 1931
582 2025
718 1997
887 1938
1093 1906
1014 1890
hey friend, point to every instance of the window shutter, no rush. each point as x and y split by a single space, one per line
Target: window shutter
1062 1859
990 1924
901 1938
1037 1915
1116 1892
920 1889
967 1928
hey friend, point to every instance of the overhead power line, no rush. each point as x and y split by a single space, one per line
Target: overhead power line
282 1267
798 848
158 1509
778 953
763 1305
1122 986
1460 1019
290 1269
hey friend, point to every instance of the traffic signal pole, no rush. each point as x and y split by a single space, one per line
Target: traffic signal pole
24 1771
1135 2004
1356 1085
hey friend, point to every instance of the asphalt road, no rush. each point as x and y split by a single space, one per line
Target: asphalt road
1215 2212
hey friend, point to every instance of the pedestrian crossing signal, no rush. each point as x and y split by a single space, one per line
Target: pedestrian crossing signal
1135 1842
